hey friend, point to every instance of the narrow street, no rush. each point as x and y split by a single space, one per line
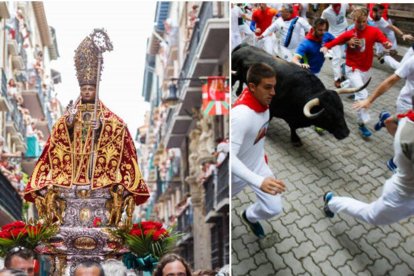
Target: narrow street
302 241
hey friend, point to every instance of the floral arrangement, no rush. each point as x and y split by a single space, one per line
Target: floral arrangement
24 234
148 241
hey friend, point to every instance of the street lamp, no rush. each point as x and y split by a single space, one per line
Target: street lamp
172 99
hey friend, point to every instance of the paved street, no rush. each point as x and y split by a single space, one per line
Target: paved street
302 241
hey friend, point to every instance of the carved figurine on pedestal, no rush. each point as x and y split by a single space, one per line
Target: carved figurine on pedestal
206 141
40 206
194 139
116 205
129 207
54 206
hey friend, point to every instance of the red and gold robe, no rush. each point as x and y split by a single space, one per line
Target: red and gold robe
65 162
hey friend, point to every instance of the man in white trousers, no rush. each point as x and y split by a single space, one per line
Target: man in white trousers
290 28
397 199
404 101
335 14
359 58
249 122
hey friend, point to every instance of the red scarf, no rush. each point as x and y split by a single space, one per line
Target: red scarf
336 8
247 98
409 114
311 36
292 15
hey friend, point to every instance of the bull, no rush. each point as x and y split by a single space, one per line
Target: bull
301 98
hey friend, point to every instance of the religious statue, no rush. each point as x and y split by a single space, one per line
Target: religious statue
89 145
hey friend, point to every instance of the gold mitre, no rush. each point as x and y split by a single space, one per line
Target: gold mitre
86 62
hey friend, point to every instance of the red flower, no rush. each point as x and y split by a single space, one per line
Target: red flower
97 221
151 225
16 231
5 235
159 234
34 230
16 224
149 232
136 232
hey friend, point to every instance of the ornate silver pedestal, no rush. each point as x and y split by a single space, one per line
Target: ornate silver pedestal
78 238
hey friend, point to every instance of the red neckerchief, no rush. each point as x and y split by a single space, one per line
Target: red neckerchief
311 36
248 99
336 8
409 114
292 15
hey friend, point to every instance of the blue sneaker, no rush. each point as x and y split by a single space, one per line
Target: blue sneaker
391 165
326 198
256 227
382 117
364 131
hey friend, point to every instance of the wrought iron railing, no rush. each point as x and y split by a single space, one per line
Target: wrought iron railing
3 84
210 194
217 186
185 220
10 200
223 180
16 117
206 12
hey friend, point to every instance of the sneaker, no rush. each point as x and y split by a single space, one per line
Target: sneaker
326 198
391 165
256 227
382 117
381 57
364 131
319 130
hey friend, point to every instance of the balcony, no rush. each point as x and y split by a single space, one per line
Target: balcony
15 124
4 102
209 48
12 47
217 192
17 62
4 10
184 224
10 202
34 100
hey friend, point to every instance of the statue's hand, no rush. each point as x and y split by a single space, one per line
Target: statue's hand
96 124
72 110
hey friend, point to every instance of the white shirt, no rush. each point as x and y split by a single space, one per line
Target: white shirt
404 157
281 26
406 71
247 148
236 13
382 24
337 23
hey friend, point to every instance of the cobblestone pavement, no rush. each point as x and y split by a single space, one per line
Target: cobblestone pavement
302 241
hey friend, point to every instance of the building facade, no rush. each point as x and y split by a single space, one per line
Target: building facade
190 42
28 106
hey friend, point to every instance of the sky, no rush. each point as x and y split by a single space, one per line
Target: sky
128 24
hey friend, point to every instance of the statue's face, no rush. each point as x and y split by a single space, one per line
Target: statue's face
88 93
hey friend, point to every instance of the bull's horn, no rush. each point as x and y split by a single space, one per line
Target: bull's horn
308 106
352 90
233 72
